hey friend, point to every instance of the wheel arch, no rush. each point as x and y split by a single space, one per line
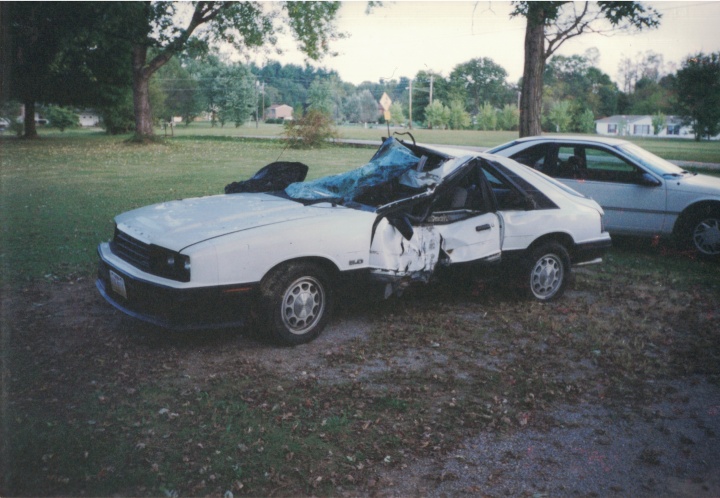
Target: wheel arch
326 264
563 238
682 223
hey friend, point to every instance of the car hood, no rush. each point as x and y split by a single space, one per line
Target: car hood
179 224
705 184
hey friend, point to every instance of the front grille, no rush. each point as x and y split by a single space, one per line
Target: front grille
130 249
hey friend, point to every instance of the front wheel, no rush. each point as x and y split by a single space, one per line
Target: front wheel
297 302
547 270
705 234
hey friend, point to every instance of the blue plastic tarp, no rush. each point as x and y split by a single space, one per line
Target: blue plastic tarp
391 160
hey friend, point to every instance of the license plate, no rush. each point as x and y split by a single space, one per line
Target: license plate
118 284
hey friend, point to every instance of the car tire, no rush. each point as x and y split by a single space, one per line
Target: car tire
297 302
546 272
703 234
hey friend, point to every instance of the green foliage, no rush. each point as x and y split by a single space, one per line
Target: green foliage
508 118
651 97
658 123
487 118
397 115
64 53
119 116
226 91
62 118
427 84
312 130
361 108
180 91
289 84
325 95
698 90
436 115
481 80
458 117
576 79
585 122
560 116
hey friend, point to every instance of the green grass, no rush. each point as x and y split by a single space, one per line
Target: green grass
60 194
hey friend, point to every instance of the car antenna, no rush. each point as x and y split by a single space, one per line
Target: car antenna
405 133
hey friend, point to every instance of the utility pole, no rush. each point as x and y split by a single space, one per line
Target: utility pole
432 79
410 106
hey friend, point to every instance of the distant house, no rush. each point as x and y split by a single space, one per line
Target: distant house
279 111
89 118
641 126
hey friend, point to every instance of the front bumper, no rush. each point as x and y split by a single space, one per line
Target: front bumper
590 251
179 309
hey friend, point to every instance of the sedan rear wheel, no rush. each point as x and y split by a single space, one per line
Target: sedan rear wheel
547 271
297 300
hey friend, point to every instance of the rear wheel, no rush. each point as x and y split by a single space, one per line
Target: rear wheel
297 301
547 270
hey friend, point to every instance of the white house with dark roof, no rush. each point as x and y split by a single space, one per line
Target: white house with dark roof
641 126
89 117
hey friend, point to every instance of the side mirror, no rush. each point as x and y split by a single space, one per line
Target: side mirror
647 180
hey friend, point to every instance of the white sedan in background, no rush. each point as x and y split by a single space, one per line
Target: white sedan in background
274 248
641 194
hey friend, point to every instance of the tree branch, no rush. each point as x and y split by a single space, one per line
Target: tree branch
204 13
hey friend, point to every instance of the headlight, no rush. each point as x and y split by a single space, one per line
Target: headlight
169 264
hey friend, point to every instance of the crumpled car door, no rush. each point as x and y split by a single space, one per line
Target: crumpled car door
407 244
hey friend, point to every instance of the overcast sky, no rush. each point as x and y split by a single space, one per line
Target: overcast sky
403 37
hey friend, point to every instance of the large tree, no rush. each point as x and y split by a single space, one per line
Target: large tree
575 79
481 80
245 25
550 24
698 93
61 53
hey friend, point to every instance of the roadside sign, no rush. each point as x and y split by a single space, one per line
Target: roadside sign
385 102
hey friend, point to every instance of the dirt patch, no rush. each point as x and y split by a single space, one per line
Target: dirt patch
573 429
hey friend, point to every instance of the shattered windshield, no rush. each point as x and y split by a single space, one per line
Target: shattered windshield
391 160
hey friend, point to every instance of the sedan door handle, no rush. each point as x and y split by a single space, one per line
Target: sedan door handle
482 228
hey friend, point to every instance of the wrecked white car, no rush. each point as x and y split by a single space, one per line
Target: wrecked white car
275 251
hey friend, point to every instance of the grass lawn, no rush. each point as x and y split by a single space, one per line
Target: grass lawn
59 194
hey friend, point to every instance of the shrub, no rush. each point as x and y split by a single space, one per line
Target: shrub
312 130
585 122
62 118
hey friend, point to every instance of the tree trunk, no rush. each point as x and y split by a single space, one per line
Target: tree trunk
141 95
532 85
29 124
